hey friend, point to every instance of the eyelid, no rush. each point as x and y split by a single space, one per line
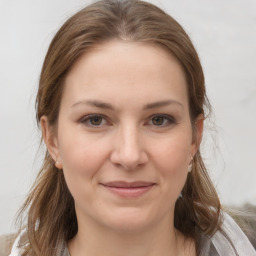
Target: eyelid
85 119
171 120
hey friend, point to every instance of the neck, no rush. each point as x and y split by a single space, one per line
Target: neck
161 239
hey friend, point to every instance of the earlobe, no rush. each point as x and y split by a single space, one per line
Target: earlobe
50 140
58 165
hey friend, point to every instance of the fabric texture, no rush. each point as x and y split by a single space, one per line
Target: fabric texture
233 233
231 241
6 243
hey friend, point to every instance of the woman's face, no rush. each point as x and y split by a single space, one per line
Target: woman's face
124 137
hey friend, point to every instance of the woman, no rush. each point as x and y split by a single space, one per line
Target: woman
121 103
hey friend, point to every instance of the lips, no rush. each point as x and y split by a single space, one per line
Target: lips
124 184
129 189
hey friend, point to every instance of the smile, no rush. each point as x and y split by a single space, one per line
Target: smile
129 189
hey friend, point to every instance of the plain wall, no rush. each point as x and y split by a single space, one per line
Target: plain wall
224 33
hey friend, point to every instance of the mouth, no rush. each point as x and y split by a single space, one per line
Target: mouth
129 189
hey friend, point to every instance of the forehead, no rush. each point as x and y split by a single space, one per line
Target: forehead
124 70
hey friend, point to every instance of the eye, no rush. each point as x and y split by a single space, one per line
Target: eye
162 120
94 120
158 120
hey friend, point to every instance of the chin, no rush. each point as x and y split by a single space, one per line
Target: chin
129 221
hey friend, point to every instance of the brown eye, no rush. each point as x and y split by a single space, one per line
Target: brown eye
96 120
162 121
158 120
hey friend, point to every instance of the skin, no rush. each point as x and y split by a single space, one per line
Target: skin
139 129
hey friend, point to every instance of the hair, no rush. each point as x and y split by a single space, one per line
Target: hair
51 217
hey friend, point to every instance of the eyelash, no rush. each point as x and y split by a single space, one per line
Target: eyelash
167 120
86 120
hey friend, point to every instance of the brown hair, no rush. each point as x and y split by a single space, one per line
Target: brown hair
51 215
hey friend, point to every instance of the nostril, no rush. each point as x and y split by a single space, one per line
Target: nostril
128 151
130 161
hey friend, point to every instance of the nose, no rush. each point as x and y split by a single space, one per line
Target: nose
128 151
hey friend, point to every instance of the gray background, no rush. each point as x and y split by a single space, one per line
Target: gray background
224 33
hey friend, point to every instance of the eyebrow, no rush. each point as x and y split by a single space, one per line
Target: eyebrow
104 105
95 103
162 104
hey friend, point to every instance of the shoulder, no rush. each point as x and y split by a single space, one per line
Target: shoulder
245 217
231 240
6 242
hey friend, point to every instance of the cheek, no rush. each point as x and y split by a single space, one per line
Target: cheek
82 156
173 153
82 159
171 159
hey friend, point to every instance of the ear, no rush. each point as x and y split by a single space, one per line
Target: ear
51 141
198 133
